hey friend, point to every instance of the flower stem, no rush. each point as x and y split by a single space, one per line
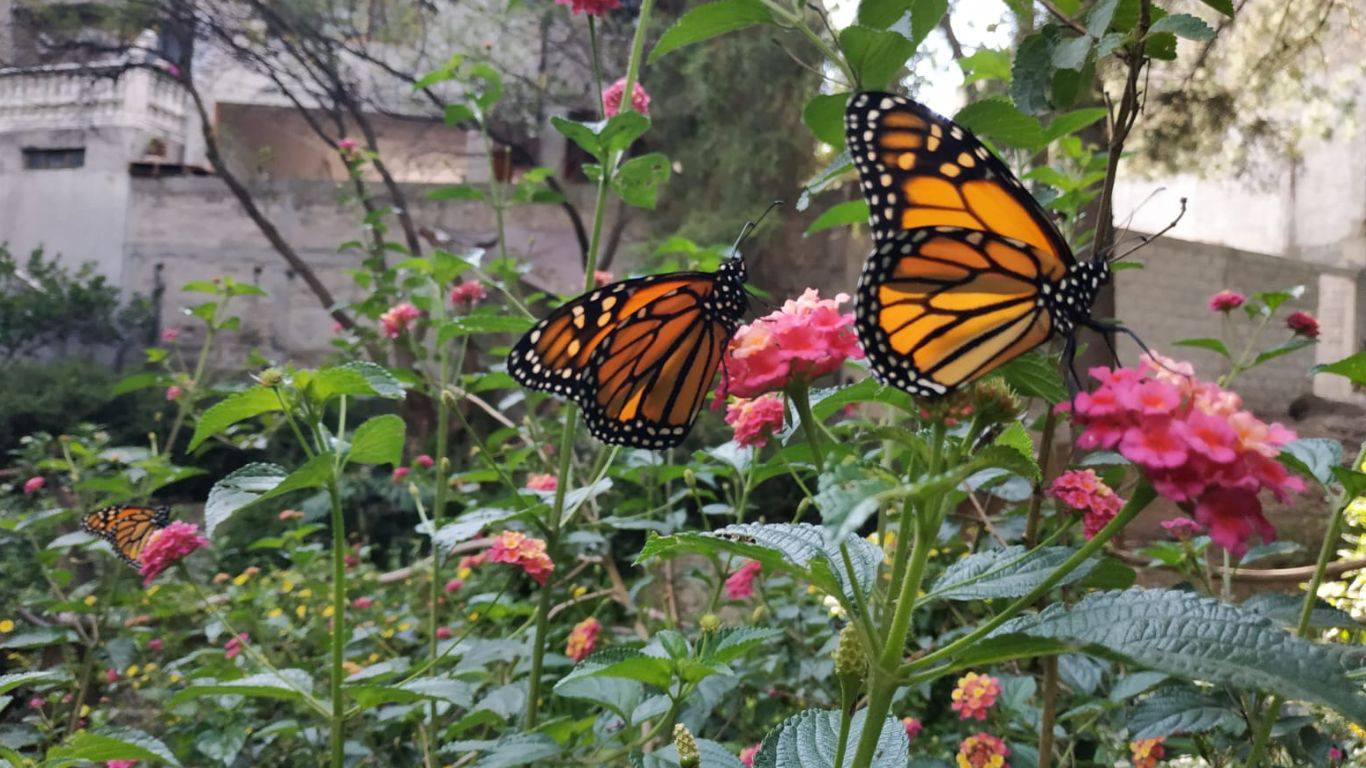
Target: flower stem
1331 537
338 713
800 395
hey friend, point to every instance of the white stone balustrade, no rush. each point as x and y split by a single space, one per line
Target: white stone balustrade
66 96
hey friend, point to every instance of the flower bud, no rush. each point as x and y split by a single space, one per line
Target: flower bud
759 613
448 398
690 478
709 622
851 663
271 377
994 400
688 756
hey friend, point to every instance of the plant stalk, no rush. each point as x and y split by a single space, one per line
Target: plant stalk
338 710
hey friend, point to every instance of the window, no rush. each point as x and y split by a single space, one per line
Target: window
53 159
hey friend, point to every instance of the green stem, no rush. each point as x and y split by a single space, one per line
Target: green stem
338 713
1331 537
183 406
800 395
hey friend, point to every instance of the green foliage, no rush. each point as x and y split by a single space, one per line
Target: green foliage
44 305
811 740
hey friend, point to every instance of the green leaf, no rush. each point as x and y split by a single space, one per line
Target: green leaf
985 64
38 638
1070 122
710 20
1213 345
824 115
1223 6
378 441
1353 482
848 496
1313 457
1293 345
1017 437
237 407
135 382
881 14
925 16
1353 368
113 744
520 749
1032 73
1035 375
583 134
1285 609
258 482
457 192
1199 638
456 114
637 180
713 756
626 664
285 685
803 550
1180 709
620 131
843 214
1183 25
619 695
1071 53
730 643
874 54
356 378
481 322
1009 572
810 739
12 681
999 120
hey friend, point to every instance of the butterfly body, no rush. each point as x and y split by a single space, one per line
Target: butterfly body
968 271
638 356
127 528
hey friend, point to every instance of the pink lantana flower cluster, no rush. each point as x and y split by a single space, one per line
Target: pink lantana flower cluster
804 340
748 754
514 548
168 546
1182 528
1147 752
611 96
1226 301
583 638
974 695
590 7
913 727
982 750
398 318
1082 489
541 482
755 420
468 293
1195 443
740 585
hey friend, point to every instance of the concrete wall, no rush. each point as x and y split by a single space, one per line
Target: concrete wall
1166 302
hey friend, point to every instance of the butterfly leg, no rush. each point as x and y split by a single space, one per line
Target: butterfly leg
1069 357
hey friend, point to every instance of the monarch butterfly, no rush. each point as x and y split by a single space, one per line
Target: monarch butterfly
968 271
127 528
638 356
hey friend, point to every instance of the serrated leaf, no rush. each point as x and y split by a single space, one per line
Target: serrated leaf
849 494
284 684
810 739
519 749
840 215
803 550
1035 375
38 638
1285 609
259 482
925 16
1071 122
711 20
378 440
1183 25
1008 572
1200 638
469 524
1131 685
357 378
999 120
1223 6
1031 75
236 407
626 664
1178 710
113 744
12 681
713 755
1081 673
730 643
880 14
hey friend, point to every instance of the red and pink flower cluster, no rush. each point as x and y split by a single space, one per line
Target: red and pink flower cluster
1146 752
974 695
755 420
515 548
611 99
1082 489
982 750
167 546
583 638
1194 441
804 340
398 318
740 585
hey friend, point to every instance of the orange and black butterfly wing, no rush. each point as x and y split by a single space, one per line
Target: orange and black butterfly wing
554 354
126 528
918 169
939 307
646 382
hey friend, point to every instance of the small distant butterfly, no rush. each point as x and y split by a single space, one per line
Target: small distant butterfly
968 270
638 356
127 528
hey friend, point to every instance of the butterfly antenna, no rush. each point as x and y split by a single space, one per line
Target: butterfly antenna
750 227
1145 239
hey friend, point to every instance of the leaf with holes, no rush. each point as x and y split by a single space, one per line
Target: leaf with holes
638 180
